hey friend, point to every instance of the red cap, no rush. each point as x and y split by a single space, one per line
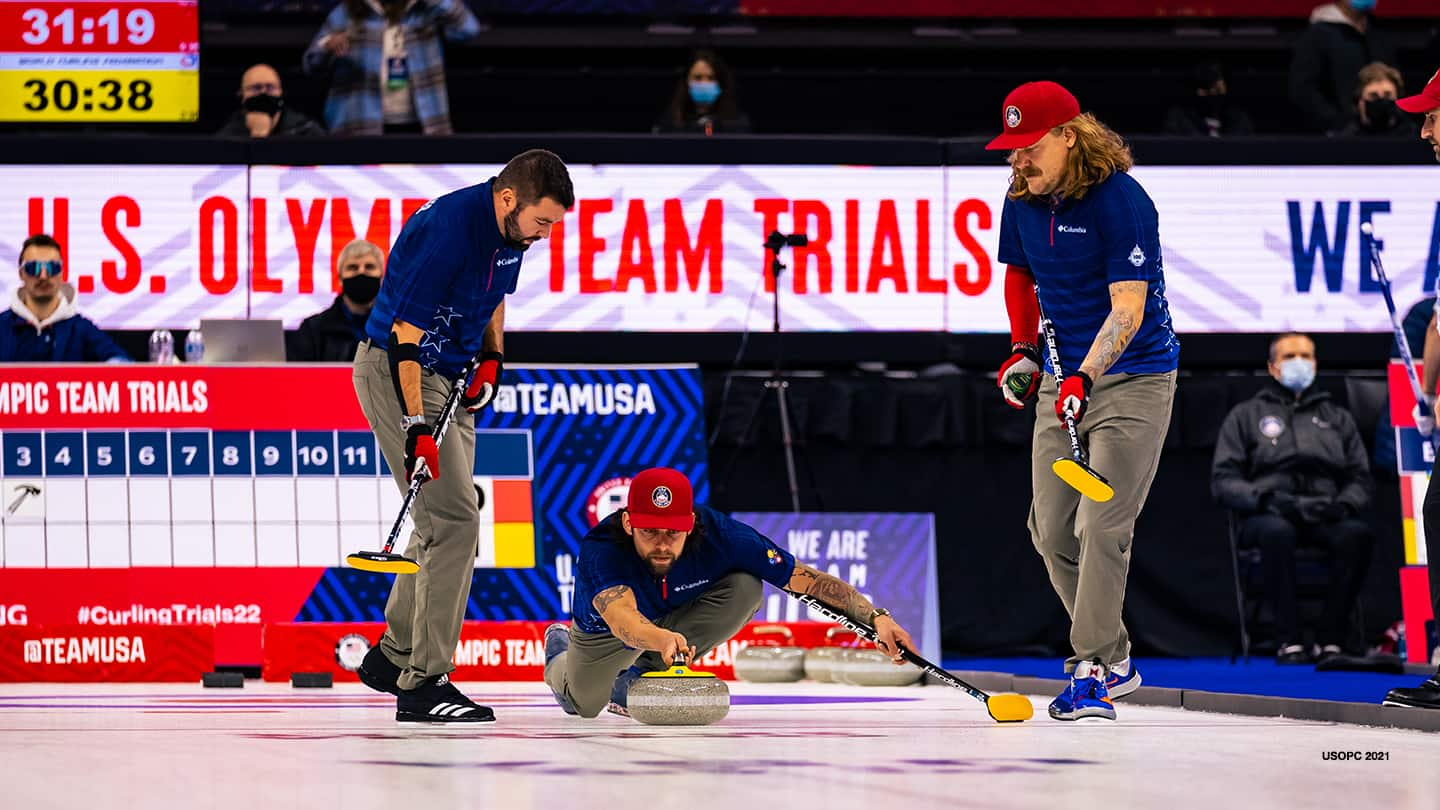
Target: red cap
661 498
1424 101
1030 111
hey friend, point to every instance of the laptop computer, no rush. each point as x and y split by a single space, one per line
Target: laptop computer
243 341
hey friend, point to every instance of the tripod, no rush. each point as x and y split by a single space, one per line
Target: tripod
776 382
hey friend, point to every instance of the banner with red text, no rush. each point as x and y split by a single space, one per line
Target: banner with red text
679 248
79 653
488 651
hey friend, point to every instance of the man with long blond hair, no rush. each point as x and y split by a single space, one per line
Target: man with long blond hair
1083 233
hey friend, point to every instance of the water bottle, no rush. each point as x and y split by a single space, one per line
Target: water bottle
162 346
194 346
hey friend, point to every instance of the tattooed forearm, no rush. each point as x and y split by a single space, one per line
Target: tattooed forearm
633 635
626 622
832 591
607 597
1127 309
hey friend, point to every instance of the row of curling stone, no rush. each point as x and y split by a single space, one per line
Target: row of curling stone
856 662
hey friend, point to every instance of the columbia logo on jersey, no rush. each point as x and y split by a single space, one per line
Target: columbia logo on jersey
1071 229
509 261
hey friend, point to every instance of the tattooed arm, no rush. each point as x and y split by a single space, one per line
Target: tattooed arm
832 591
617 607
1127 309
843 597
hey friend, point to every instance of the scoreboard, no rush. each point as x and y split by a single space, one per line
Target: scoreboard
99 61
230 495
146 498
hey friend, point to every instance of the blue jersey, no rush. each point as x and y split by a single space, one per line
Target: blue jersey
450 268
1076 249
726 547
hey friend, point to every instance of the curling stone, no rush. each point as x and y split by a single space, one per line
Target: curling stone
768 661
678 696
820 661
867 666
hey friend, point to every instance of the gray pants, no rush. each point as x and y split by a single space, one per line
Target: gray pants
425 610
585 674
1086 545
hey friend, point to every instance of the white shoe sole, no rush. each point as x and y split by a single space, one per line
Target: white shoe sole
1121 690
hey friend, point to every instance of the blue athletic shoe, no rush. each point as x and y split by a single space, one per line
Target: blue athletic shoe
621 691
1085 696
1122 679
557 640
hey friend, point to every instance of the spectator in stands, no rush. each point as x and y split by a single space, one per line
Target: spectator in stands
704 100
1341 39
42 325
1290 463
388 64
333 335
1376 88
263 113
1208 111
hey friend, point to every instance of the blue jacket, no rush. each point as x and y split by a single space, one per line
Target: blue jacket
448 271
1077 248
723 546
64 337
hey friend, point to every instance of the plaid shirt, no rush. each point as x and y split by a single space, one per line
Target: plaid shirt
354 104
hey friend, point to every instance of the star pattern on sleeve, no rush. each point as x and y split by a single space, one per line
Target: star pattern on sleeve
446 314
433 343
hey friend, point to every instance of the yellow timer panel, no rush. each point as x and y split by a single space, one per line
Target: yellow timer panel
99 95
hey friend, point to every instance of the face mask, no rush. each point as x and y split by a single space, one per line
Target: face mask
1297 373
263 103
1363 6
1380 112
360 289
704 92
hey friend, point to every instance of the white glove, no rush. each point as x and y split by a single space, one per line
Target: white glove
1426 423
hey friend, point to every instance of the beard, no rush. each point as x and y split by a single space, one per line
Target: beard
514 239
660 565
43 293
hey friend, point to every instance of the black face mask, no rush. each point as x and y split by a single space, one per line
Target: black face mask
1213 106
1380 112
263 103
360 289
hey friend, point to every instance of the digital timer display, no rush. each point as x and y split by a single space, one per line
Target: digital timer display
99 61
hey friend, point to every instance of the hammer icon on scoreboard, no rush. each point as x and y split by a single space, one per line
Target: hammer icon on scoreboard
25 490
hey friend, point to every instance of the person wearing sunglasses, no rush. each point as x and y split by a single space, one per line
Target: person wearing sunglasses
42 324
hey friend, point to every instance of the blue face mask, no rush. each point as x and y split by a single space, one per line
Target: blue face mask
704 92
1363 6
1297 373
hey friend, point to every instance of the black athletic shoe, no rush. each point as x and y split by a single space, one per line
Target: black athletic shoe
1292 654
1424 696
378 673
438 701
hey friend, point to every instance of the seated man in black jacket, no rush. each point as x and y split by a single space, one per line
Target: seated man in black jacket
333 336
1290 463
262 110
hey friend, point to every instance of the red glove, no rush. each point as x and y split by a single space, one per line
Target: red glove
1074 397
1019 376
485 382
420 447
